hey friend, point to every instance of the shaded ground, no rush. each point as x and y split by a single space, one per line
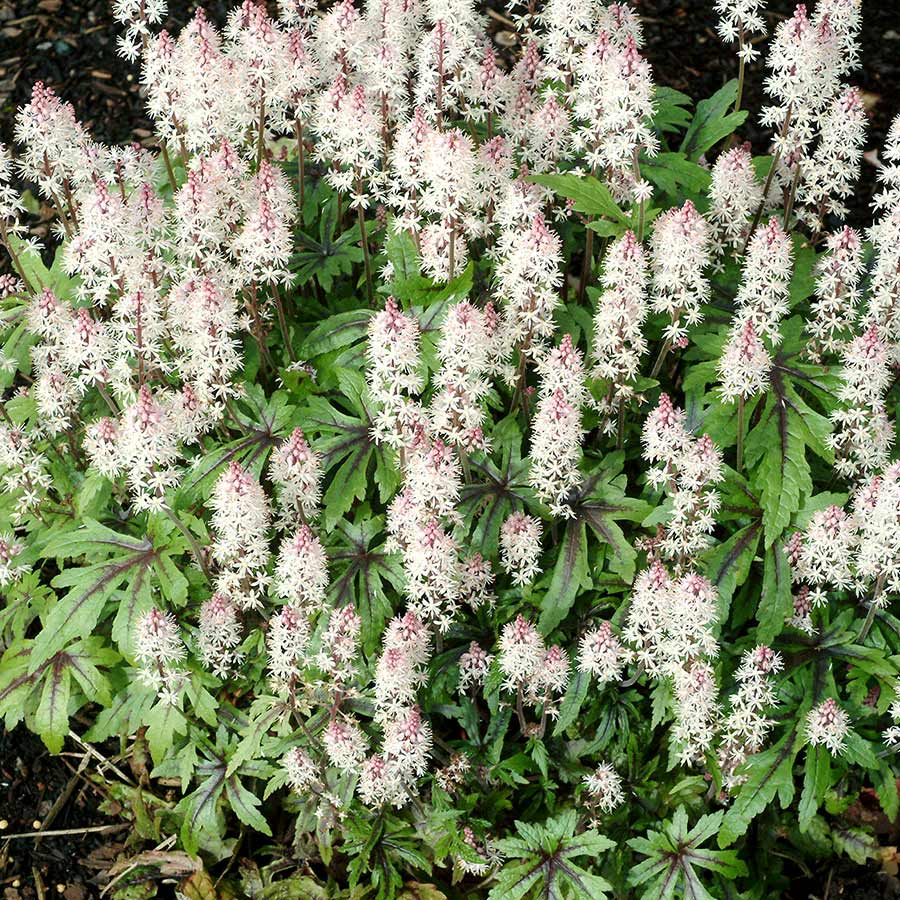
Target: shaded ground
39 789
71 46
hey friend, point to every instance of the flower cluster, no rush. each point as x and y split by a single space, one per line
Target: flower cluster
682 251
827 725
746 726
762 302
537 674
604 788
557 431
240 522
619 342
159 649
735 194
687 468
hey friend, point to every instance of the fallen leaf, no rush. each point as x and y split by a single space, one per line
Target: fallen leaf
173 864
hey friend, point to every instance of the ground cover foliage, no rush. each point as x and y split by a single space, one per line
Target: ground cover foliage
458 477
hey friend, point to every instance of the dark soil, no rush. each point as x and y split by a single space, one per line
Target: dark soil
71 46
31 781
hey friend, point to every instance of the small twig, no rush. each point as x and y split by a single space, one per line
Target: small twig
62 832
89 748
63 798
828 884
38 883
192 541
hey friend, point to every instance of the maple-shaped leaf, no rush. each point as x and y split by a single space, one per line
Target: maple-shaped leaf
541 862
674 855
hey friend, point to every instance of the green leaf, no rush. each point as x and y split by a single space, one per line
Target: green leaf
576 694
345 442
329 257
414 289
336 332
543 855
570 575
83 659
783 474
17 348
263 716
590 195
127 561
776 450
601 502
51 720
39 275
670 113
770 772
673 854
362 570
671 171
712 121
856 843
776 602
163 722
245 805
885 782
816 781
128 710
203 821
728 565
858 751
297 887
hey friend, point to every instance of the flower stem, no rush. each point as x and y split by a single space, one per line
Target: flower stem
661 358
586 268
301 170
520 708
370 289
282 322
742 65
789 204
260 148
873 607
769 178
192 541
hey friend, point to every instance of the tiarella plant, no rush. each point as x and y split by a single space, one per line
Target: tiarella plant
461 472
